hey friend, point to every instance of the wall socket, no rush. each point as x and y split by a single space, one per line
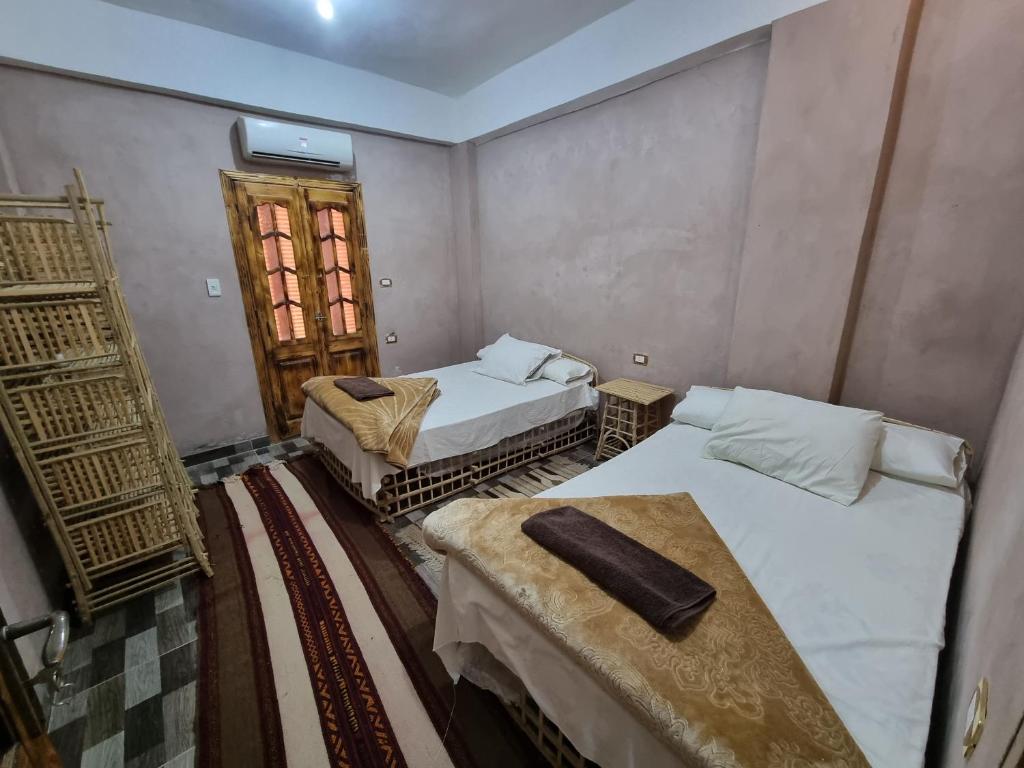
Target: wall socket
977 714
391 338
213 287
639 359
385 282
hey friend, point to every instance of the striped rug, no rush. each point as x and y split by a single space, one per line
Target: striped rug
315 640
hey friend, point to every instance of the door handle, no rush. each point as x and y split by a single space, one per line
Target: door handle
319 316
52 673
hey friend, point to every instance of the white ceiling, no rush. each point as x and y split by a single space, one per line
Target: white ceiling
448 46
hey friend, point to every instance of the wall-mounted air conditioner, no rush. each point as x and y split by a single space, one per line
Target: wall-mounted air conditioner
266 141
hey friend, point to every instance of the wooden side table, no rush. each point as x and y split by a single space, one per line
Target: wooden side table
632 413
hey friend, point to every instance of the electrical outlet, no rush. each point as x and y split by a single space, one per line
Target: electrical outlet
385 282
639 359
213 287
977 713
391 338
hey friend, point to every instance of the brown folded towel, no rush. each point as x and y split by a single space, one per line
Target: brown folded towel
662 592
361 388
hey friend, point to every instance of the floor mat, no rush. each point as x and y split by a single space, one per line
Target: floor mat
315 639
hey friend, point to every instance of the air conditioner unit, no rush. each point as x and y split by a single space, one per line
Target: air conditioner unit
266 141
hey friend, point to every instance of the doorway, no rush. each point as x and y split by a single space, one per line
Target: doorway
300 249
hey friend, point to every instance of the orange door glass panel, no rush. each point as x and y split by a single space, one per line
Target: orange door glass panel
282 273
348 328
338 271
303 269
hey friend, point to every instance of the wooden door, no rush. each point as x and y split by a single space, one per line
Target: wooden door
300 248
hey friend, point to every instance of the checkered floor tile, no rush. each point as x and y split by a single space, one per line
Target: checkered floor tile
214 471
134 672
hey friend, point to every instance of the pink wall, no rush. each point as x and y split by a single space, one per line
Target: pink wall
830 81
988 640
31 574
942 309
23 594
155 159
466 247
625 227
617 229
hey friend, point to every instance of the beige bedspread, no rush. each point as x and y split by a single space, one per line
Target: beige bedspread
730 691
386 425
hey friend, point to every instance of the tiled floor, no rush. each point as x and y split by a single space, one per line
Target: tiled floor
134 674
210 472
135 669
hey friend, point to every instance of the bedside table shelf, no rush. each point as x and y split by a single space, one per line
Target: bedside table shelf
632 413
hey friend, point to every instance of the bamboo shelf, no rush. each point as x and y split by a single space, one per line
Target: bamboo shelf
79 408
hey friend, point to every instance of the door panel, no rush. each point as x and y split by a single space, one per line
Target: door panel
344 282
293 371
304 271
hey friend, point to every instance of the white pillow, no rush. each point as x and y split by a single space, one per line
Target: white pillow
825 449
566 371
515 361
481 352
702 406
921 455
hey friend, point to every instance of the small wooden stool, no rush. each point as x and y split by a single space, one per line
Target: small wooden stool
632 413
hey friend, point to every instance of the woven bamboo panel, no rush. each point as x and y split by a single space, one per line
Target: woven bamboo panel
632 412
639 392
79 408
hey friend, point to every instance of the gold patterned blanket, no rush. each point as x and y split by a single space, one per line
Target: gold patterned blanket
729 691
386 425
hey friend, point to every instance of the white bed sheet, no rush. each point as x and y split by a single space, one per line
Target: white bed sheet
860 591
473 412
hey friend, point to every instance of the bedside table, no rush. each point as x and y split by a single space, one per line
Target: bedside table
632 413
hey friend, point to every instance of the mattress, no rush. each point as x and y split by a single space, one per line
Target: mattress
473 412
860 591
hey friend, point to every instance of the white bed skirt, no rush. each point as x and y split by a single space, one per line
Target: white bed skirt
473 412
478 636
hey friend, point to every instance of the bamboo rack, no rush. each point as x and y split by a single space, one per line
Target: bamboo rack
79 407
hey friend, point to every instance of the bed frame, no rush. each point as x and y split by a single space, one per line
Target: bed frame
416 487
544 734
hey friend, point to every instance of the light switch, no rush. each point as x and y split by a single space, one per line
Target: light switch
385 282
213 286
391 338
639 359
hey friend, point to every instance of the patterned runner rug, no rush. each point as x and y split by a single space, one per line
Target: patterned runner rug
315 640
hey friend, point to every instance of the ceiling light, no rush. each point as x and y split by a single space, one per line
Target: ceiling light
325 8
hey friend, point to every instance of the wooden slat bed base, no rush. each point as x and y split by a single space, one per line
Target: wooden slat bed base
417 487
545 735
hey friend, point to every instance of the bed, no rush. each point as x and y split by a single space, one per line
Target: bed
478 427
860 592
